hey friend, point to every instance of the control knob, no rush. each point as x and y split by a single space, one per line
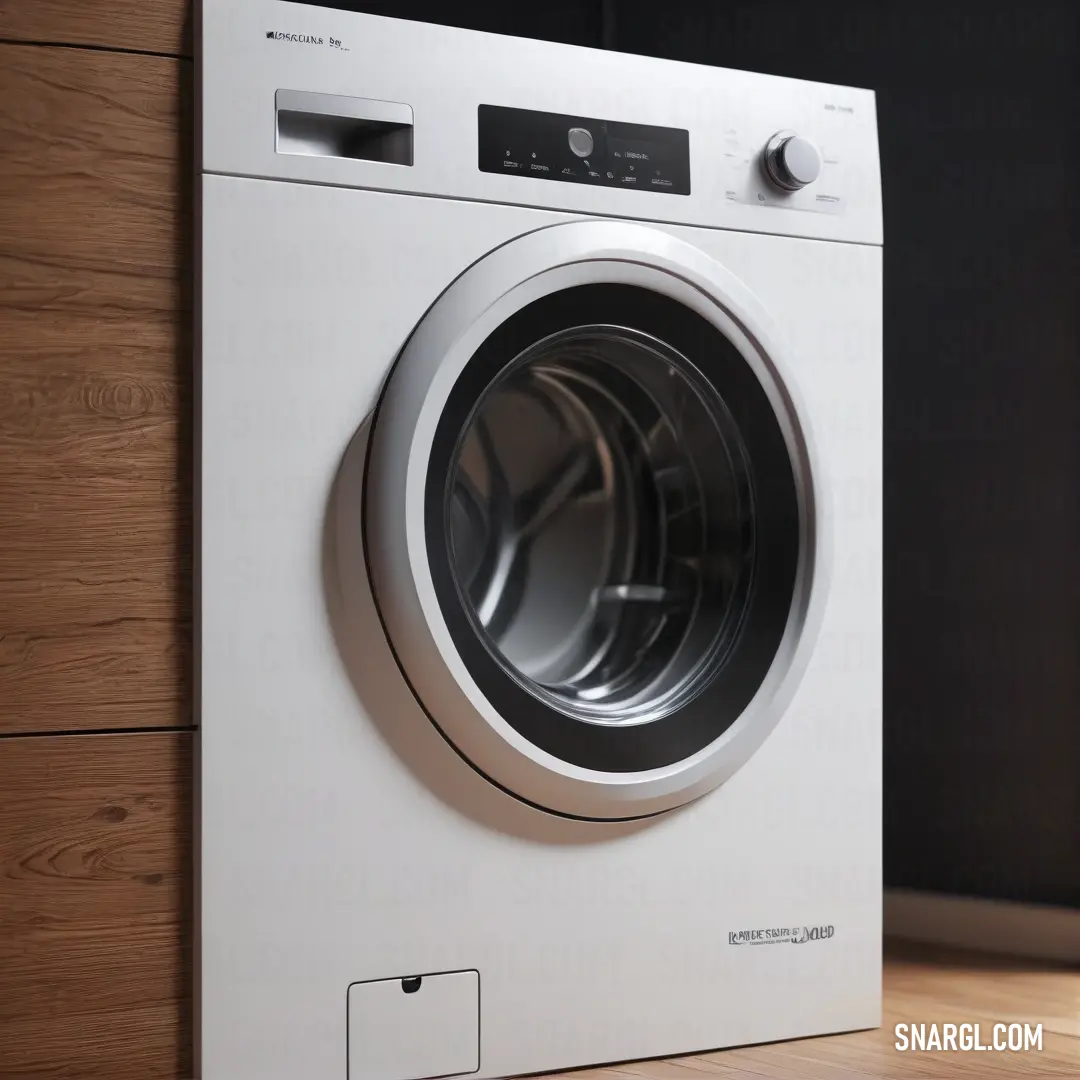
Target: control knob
581 141
791 162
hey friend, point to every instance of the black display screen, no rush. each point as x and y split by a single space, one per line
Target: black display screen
583 150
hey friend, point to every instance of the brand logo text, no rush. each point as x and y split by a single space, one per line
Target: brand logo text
306 39
781 935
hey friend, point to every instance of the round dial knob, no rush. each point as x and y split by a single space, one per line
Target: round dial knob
791 162
581 141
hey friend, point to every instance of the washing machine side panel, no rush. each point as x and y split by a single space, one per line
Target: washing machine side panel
343 840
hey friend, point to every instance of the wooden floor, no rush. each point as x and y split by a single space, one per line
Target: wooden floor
922 986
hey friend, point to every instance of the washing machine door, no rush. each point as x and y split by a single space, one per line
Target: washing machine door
593 520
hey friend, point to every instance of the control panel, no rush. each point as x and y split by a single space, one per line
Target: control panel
583 150
452 114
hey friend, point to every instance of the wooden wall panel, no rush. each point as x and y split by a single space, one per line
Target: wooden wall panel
160 26
95 390
95 901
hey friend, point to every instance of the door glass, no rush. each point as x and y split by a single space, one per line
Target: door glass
601 526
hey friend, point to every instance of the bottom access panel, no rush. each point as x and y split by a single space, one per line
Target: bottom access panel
415 1028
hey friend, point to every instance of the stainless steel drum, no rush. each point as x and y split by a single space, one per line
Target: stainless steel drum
601 524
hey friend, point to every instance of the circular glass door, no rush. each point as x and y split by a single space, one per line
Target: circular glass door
613 527
592 520
601 524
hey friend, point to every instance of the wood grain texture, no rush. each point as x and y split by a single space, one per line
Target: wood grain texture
95 390
923 984
161 26
95 880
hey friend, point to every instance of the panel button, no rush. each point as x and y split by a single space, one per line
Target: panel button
581 141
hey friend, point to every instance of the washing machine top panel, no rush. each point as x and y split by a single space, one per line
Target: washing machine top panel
301 93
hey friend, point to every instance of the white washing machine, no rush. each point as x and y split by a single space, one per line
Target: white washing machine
539 555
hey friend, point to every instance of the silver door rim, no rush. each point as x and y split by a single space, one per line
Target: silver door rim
537 264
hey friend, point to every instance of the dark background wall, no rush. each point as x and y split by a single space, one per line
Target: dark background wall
977 107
